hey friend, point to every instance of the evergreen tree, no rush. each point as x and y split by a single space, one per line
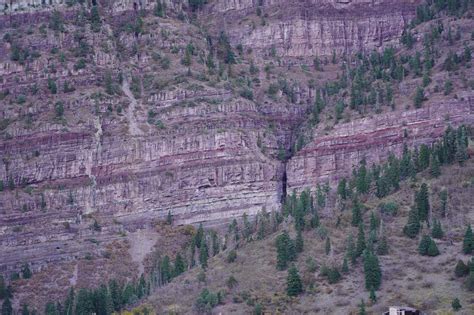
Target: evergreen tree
95 19
69 303
215 243
437 231
25 310
7 307
424 157
299 242
468 242
360 246
203 253
166 269
373 222
3 288
284 250
356 212
424 245
200 233
169 218
461 269
433 249
456 305
115 293
435 170
412 228
342 189
423 203
294 286
382 246
327 246
159 9
26 272
84 303
362 308
419 97
50 309
179 265
469 282
372 271
443 196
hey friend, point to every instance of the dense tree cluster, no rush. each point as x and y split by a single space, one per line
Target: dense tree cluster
384 179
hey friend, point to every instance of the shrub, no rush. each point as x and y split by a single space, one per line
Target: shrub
206 301
232 256
247 93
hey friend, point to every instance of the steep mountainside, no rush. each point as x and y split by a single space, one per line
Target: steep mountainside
118 115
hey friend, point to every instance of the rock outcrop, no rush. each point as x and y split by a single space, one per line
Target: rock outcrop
334 153
314 28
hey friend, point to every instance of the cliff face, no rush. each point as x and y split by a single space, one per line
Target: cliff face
314 28
175 141
333 155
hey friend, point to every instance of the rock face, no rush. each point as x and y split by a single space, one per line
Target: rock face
332 156
124 158
314 27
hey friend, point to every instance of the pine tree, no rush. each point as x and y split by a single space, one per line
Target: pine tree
443 196
166 269
470 281
360 246
372 271
424 157
294 286
419 97
461 269
468 242
345 266
342 189
437 231
26 272
50 309
456 305
179 265
25 310
435 170
327 246
351 249
282 244
95 19
362 308
299 242
7 307
69 303
203 253
412 228
433 249
84 303
382 246
215 243
423 203
424 245
200 234
373 222
362 181
356 212
3 288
